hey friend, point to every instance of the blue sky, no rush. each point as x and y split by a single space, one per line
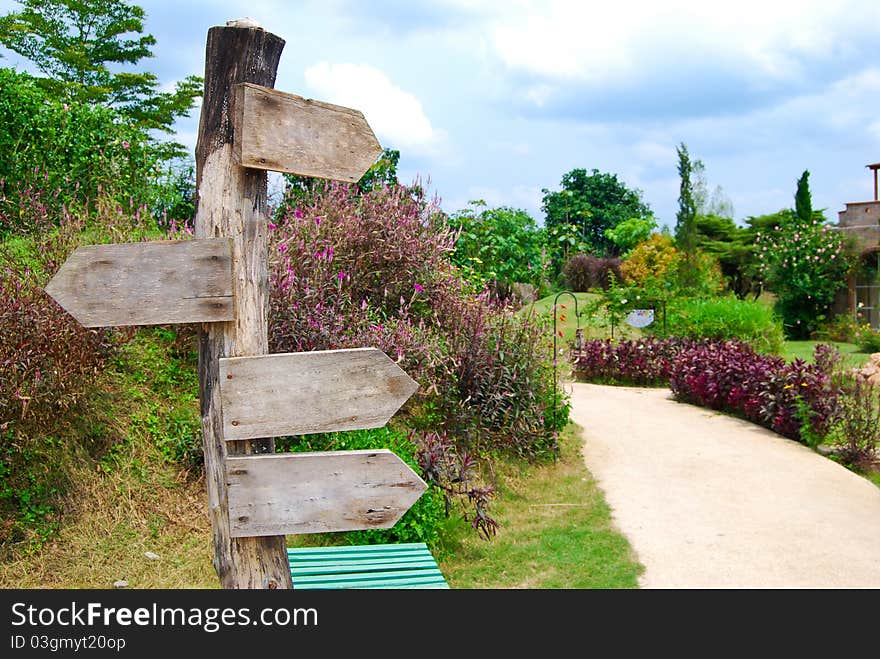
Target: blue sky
497 99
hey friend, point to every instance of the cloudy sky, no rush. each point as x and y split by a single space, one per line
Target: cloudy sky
497 99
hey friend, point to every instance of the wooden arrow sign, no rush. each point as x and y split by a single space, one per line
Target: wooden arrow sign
306 392
152 283
288 133
321 492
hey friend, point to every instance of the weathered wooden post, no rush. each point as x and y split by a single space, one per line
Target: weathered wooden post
231 202
220 280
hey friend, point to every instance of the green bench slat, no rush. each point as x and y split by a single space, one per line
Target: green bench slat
323 567
413 579
417 547
405 565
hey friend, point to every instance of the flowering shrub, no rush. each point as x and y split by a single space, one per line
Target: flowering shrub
643 362
723 375
867 338
730 376
373 269
46 357
804 263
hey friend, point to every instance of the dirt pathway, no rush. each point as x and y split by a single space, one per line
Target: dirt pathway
709 501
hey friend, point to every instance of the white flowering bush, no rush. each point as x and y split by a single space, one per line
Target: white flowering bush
804 264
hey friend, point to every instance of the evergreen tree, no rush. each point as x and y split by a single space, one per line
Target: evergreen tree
685 218
803 203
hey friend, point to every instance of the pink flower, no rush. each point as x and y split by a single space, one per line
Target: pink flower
282 248
125 144
271 226
419 289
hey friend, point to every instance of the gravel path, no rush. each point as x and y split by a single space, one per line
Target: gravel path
709 501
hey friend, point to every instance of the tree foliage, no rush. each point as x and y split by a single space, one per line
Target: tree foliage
591 203
685 229
631 232
80 45
502 244
734 248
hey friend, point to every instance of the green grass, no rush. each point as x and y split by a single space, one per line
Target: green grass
121 490
593 323
556 532
792 350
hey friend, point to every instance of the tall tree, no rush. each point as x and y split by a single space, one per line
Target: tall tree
686 217
592 203
75 43
803 201
685 227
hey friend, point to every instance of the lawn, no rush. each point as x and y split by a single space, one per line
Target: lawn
570 315
792 350
556 532
595 326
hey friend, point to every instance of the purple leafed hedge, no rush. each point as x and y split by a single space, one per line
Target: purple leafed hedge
722 375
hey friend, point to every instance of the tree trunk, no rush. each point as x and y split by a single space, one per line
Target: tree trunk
231 202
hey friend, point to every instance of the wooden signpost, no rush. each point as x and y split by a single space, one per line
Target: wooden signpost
147 283
319 492
220 280
287 133
321 391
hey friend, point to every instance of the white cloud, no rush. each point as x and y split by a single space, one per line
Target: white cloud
392 113
601 43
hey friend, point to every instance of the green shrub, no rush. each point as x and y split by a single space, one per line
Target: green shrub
868 339
842 328
57 155
726 318
855 422
421 523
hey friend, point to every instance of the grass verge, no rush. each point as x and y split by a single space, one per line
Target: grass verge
792 350
556 532
130 497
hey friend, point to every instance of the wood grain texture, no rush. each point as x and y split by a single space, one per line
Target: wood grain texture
231 202
307 392
151 283
319 492
288 133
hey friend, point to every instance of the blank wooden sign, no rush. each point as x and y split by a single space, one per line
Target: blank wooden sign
322 492
288 133
151 283
299 393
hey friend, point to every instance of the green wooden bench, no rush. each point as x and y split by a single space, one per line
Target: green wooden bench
405 565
